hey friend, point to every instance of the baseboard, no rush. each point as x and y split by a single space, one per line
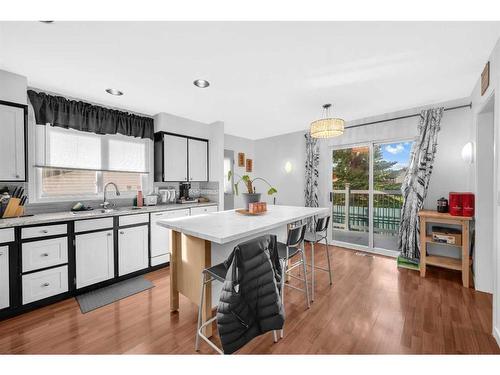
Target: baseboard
496 335
366 249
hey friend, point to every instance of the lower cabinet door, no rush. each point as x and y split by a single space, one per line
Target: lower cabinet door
133 249
94 258
44 284
4 277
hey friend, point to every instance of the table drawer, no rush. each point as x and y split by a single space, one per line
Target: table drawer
44 253
133 219
93 224
203 210
44 284
6 235
43 231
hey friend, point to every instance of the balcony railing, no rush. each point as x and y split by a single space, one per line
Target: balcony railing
350 210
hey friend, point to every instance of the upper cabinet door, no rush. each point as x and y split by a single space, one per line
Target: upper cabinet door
198 160
175 158
12 166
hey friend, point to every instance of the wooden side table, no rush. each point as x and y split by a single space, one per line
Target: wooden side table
464 264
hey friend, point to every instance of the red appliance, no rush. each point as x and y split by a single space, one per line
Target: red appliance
462 204
468 204
455 204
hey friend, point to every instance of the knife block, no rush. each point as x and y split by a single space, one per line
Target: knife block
13 208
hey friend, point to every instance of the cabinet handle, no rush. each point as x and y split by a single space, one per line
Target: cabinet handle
17 176
121 232
109 234
44 231
45 255
45 284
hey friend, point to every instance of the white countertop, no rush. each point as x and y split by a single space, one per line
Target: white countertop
226 226
70 216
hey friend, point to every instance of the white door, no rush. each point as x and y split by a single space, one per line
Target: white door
132 249
175 158
11 143
94 258
160 236
198 160
4 277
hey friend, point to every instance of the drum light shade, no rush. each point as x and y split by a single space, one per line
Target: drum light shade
327 127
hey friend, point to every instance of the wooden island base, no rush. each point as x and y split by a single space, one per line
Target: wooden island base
189 257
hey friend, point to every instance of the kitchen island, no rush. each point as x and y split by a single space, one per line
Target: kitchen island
205 240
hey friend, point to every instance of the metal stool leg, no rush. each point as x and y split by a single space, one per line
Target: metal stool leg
328 258
202 297
283 274
312 272
306 287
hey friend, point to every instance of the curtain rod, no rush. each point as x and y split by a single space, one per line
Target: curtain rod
403 117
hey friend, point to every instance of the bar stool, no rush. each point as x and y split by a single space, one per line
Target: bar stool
319 234
286 251
215 273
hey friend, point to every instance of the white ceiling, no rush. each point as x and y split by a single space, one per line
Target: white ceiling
266 78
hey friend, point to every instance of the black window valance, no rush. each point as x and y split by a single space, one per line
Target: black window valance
73 114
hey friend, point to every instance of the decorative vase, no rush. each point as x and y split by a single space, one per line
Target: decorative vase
251 198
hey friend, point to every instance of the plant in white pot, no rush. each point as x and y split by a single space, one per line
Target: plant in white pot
252 196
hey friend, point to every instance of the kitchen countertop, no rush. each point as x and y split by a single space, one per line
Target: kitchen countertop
54 217
226 226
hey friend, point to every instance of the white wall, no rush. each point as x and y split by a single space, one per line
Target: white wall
478 103
247 146
271 156
13 87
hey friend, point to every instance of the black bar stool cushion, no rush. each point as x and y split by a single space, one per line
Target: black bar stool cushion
218 272
250 302
313 237
282 251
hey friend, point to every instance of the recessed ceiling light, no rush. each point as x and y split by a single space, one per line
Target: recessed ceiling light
114 92
46 21
201 83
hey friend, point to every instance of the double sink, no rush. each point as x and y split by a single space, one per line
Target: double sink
108 210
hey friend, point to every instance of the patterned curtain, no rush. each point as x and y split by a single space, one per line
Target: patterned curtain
416 182
312 175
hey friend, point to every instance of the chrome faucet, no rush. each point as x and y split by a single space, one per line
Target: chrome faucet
105 204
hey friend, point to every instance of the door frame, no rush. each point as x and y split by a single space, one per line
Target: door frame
370 248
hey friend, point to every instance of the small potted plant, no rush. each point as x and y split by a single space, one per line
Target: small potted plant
252 196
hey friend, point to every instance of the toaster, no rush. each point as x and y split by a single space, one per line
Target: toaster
151 200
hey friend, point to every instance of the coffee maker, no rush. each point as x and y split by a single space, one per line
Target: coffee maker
184 193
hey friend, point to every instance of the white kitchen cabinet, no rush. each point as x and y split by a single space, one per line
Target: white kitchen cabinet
160 236
4 277
44 284
12 166
133 249
44 253
175 158
198 160
94 258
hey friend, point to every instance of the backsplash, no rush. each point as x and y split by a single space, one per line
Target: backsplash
209 190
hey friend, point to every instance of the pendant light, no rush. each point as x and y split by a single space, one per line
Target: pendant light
327 127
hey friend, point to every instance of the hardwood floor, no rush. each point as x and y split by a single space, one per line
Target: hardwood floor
372 307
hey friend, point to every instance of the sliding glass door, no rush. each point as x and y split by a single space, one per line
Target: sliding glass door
350 182
366 193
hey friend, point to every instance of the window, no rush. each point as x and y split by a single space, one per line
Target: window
71 165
